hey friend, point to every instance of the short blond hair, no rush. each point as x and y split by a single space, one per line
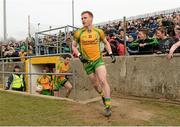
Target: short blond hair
88 12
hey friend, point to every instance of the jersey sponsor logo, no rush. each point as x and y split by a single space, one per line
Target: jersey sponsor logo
89 42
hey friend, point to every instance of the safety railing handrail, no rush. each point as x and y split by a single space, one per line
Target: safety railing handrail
36 56
32 73
55 29
35 73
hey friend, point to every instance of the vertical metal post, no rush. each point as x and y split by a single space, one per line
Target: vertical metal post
3 73
73 14
29 35
125 65
38 26
2 49
5 30
36 44
30 76
29 28
57 45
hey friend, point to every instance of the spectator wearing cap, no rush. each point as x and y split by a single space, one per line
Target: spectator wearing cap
16 80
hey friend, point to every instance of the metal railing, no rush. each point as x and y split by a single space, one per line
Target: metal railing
56 44
30 73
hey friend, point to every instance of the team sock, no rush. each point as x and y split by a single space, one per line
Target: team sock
107 102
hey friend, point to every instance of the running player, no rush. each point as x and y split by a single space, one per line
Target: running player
88 39
62 81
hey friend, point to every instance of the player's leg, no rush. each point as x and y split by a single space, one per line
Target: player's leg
102 76
97 86
68 86
90 71
94 81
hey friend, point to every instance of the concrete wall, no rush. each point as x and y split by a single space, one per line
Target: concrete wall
144 76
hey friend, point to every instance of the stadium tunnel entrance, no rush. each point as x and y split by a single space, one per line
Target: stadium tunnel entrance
33 68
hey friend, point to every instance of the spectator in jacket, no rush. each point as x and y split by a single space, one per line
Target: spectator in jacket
144 44
16 81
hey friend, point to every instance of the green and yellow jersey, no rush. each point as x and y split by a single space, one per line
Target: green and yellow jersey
45 81
89 42
63 68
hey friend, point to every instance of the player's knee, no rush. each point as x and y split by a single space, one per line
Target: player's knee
103 81
94 81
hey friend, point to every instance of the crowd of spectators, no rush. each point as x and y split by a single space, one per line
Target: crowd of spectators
144 35
53 43
155 34
13 48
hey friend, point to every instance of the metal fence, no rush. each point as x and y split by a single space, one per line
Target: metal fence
7 67
58 38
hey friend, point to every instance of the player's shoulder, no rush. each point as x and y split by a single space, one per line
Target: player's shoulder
61 64
79 31
97 29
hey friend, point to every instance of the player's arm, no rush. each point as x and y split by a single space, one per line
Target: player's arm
75 50
58 68
107 46
74 42
173 48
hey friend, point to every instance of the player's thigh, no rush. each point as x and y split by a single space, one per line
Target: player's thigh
101 73
93 78
68 85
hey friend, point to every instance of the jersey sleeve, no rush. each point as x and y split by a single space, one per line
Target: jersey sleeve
76 35
102 35
59 67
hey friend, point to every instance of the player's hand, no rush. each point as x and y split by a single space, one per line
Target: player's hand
82 59
113 58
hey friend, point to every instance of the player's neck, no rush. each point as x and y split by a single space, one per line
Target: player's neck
89 28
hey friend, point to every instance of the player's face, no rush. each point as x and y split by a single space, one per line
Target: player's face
67 60
86 20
